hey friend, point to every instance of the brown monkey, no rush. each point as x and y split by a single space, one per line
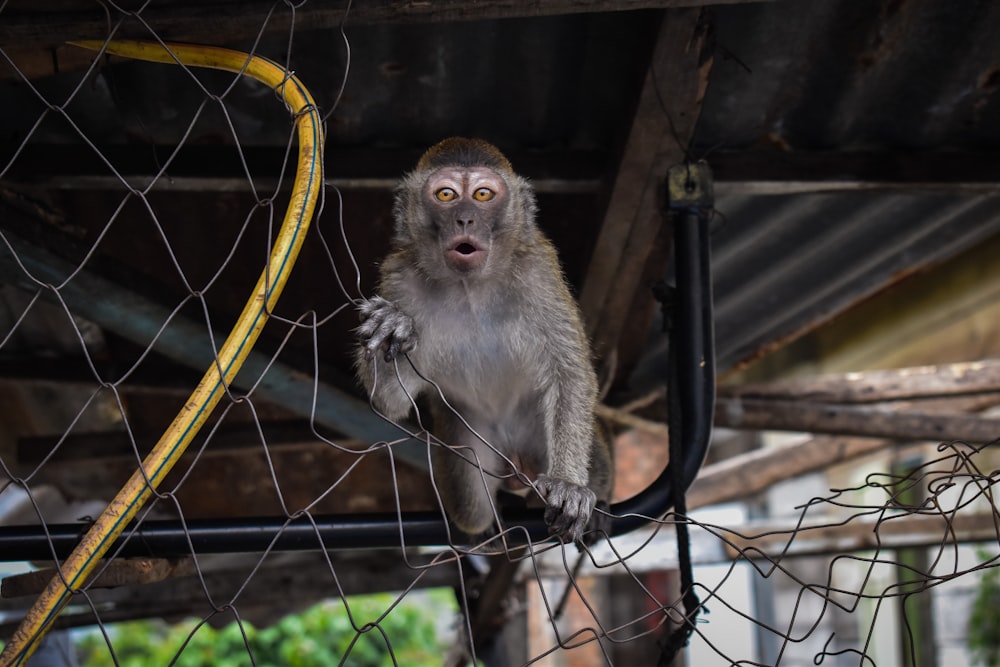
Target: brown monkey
473 293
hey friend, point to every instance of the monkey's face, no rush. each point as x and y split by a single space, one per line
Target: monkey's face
467 208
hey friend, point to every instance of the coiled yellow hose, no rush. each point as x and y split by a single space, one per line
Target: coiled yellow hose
308 181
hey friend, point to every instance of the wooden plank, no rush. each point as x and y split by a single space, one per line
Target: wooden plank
667 111
259 480
223 168
205 22
228 438
879 385
839 537
782 173
139 319
735 172
788 415
754 472
281 585
110 574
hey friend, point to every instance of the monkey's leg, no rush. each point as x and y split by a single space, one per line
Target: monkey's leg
463 476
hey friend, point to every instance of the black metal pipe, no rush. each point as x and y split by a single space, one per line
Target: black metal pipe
692 341
694 385
172 538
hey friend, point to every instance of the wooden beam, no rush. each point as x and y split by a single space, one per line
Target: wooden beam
783 173
140 320
743 476
281 585
751 172
207 21
790 415
271 480
224 168
750 473
838 537
919 382
110 574
229 438
668 108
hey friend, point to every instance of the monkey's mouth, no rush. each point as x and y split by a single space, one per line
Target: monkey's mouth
465 254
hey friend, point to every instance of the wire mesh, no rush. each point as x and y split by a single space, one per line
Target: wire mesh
116 287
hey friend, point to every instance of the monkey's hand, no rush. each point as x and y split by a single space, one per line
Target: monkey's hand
385 327
567 507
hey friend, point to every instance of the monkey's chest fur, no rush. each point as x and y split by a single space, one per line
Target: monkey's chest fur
489 369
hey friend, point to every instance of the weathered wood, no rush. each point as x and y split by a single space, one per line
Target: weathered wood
137 572
902 531
281 585
205 22
879 385
95 447
787 415
735 172
139 319
221 168
258 481
743 476
667 111
782 173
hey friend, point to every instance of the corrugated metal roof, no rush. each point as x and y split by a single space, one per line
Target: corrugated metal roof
840 74
836 75
790 75
785 264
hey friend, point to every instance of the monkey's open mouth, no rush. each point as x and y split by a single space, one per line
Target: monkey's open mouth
464 254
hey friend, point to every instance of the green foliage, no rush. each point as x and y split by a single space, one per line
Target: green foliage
984 620
321 636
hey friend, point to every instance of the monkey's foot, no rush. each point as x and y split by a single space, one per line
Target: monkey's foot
568 507
385 326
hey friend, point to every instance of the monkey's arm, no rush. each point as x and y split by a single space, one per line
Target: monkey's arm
569 501
570 396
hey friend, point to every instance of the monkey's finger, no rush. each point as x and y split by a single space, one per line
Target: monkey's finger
368 307
397 346
370 329
387 333
568 507
376 340
391 350
376 320
567 521
376 314
400 337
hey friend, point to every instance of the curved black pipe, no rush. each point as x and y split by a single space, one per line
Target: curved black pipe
692 336
692 341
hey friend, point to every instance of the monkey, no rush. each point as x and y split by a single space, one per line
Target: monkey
473 295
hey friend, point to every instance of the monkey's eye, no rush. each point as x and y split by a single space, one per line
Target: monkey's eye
483 194
445 194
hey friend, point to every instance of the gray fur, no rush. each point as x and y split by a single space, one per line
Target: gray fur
504 342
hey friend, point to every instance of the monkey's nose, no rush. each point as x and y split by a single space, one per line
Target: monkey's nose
463 223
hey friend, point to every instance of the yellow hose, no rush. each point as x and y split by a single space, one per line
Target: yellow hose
135 493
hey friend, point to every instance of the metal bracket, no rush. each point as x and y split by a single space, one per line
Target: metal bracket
690 186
